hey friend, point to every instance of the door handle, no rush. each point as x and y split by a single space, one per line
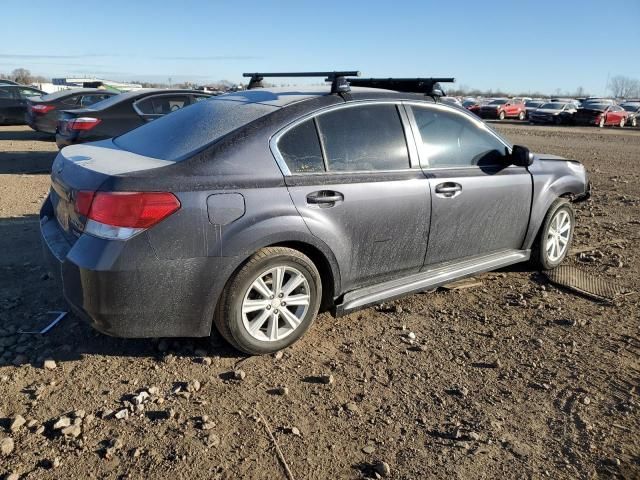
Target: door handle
448 189
326 198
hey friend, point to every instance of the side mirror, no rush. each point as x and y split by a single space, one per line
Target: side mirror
520 156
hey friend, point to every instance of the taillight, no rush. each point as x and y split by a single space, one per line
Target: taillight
42 109
83 123
121 215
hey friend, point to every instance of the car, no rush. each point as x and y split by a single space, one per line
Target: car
42 112
532 106
601 114
13 103
633 110
121 113
502 108
472 105
4 81
451 100
553 112
252 211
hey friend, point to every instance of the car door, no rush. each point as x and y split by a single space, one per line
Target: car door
358 188
479 205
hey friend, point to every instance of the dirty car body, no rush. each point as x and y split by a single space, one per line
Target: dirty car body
426 193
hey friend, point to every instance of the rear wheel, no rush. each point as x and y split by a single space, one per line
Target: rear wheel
270 302
521 116
555 236
602 122
557 120
634 122
501 115
622 122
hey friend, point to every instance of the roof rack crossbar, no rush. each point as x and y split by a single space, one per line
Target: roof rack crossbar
339 83
429 86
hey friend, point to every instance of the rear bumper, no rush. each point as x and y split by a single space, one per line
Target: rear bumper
123 289
64 140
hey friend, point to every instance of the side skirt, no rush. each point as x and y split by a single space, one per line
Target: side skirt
427 280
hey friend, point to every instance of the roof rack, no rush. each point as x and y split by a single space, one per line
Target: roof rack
428 86
339 82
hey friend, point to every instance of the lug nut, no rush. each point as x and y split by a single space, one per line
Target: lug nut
268 307
281 295
275 311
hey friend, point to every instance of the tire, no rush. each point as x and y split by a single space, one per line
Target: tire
501 115
634 122
622 122
557 120
544 255
602 122
521 116
233 323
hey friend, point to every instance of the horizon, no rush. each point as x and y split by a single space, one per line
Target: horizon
493 48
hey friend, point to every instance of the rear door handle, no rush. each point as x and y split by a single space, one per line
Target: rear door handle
448 189
325 198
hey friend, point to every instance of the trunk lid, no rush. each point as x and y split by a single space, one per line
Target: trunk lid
85 168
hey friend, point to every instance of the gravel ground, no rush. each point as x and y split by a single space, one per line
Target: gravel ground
511 378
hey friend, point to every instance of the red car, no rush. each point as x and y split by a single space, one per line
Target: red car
601 114
502 108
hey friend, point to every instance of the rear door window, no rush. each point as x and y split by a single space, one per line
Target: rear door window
91 99
364 138
300 149
71 101
162 104
29 92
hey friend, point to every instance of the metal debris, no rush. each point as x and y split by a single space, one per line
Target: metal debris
585 283
60 316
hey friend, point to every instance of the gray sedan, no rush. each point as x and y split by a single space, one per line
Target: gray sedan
251 212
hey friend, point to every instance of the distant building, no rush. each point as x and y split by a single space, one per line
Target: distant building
95 83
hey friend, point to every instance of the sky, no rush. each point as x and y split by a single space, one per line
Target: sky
513 45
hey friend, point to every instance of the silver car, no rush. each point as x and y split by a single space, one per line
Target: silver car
252 211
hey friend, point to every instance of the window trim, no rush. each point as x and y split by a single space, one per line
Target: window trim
412 151
147 97
424 158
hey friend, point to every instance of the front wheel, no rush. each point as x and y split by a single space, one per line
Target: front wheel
501 115
634 122
270 302
602 122
622 122
521 116
555 236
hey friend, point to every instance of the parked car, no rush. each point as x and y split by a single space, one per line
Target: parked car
451 101
13 103
42 112
472 105
633 110
502 108
554 112
4 81
532 106
601 114
252 211
119 114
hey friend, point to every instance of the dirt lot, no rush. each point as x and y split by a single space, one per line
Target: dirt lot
513 378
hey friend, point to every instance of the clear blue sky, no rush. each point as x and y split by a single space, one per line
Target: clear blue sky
516 45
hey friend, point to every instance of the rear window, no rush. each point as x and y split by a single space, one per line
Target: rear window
173 137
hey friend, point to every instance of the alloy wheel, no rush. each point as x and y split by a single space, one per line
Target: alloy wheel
557 240
276 303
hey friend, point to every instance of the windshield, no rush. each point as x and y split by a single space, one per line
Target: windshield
631 107
498 102
552 106
176 136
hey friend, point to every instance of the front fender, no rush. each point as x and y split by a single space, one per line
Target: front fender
553 177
